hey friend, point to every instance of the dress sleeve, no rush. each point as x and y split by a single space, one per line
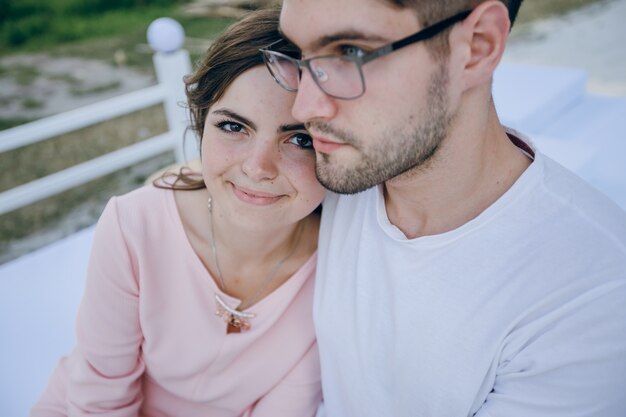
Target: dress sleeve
571 367
298 394
105 368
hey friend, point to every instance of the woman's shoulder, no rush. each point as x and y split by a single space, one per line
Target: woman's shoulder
144 211
145 197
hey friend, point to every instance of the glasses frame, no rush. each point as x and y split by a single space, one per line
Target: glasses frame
422 35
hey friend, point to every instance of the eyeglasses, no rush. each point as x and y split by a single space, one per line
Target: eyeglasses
341 76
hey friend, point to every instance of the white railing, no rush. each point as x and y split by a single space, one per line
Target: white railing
171 65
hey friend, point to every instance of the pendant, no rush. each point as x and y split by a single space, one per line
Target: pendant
233 317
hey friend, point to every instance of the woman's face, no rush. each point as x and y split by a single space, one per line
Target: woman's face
258 162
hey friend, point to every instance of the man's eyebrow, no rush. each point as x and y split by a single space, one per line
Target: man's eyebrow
237 117
291 127
345 35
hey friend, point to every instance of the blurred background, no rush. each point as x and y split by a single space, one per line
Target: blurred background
59 55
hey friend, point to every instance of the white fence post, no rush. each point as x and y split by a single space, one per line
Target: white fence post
166 37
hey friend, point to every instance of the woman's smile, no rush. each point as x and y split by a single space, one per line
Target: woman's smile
257 198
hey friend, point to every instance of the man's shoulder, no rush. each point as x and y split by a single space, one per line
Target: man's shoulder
579 199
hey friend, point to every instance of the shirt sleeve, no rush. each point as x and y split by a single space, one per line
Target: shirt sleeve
106 366
570 363
298 394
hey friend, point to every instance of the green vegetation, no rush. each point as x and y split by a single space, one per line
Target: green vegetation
32 103
36 24
131 39
95 29
6 123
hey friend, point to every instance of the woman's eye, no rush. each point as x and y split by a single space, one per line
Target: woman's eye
231 127
302 140
351 50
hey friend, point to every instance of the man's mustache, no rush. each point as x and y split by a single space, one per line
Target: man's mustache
336 133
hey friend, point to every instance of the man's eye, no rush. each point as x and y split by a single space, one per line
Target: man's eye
230 126
302 140
351 50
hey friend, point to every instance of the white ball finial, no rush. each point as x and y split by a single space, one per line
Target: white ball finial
165 35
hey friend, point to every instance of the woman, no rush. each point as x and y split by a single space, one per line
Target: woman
239 241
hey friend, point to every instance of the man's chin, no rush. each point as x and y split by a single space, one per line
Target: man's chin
341 182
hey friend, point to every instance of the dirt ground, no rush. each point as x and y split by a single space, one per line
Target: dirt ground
38 85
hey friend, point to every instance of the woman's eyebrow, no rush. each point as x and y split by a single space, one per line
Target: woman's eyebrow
281 129
236 116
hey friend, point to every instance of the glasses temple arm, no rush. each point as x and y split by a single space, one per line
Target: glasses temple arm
423 34
431 31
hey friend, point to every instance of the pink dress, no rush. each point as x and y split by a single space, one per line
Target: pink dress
149 342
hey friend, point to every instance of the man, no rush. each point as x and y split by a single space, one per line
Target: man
465 273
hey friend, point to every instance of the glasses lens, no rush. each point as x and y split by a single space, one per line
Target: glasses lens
284 69
338 76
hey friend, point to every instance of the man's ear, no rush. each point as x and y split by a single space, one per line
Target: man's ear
479 41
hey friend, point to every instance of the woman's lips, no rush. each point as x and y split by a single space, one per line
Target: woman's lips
324 145
257 198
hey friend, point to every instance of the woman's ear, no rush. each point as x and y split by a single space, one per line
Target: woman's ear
479 41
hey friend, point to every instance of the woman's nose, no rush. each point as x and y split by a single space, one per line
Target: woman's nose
261 161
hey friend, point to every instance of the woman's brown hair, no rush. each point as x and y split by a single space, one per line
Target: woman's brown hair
235 51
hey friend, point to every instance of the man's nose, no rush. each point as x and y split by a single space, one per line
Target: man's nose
311 102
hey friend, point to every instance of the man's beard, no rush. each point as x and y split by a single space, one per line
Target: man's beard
406 147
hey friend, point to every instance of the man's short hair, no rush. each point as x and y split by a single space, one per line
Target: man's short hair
433 11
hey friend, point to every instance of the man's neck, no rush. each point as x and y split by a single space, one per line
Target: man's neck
471 170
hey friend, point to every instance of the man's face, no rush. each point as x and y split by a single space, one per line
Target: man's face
403 116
